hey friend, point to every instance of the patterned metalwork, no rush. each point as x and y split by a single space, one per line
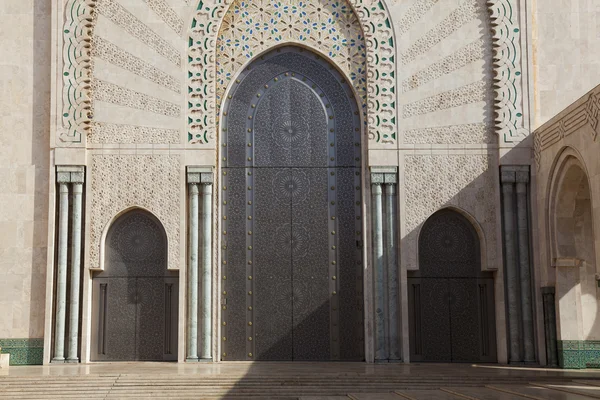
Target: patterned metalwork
135 298
451 301
292 212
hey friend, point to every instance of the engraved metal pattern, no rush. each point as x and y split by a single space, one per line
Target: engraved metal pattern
290 127
135 298
450 299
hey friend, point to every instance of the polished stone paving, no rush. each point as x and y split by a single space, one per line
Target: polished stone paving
306 381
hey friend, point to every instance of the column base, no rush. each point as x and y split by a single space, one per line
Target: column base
72 361
191 359
57 360
205 360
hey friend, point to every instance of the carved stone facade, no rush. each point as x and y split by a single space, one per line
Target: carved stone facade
142 91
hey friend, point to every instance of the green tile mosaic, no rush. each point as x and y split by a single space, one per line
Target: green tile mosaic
578 354
24 351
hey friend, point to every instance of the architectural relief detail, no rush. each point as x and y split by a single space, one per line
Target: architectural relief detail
435 182
120 182
104 132
115 94
413 14
463 57
167 14
305 19
467 11
113 54
76 105
584 113
510 124
471 93
452 134
112 10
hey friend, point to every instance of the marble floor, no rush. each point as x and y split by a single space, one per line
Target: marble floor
305 381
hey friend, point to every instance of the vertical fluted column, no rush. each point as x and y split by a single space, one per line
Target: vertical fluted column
522 180
192 277
510 256
61 276
379 269
75 272
548 296
206 337
392 267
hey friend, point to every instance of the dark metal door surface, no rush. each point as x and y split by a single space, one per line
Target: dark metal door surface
292 264
135 299
451 301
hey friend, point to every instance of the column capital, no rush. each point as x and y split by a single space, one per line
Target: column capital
70 174
514 173
384 175
201 175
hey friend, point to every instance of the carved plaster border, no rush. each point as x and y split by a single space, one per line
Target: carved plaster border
508 71
77 109
381 103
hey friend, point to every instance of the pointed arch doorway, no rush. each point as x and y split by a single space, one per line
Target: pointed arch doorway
135 298
451 300
291 206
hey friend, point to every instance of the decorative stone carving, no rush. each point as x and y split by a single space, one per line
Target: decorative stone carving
119 182
508 68
380 82
103 132
437 181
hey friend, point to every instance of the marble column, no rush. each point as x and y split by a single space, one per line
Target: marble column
68 178
75 272
192 276
61 271
379 269
393 284
548 296
200 264
522 181
510 256
206 336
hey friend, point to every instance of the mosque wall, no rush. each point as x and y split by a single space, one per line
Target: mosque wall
25 81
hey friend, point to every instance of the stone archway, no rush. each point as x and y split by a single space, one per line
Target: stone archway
573 251
451 301
135 298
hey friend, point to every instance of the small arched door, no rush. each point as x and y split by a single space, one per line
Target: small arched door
135 298
451 301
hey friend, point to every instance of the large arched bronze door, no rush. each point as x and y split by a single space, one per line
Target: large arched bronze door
135 298
451 301
291 201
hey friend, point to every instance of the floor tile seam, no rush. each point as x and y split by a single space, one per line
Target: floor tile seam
565 390
458 394
505 390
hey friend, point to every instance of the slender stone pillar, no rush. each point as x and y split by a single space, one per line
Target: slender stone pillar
550 325
379 269
75 272
522 178
206 336
61 277
512 276
192 278
393 284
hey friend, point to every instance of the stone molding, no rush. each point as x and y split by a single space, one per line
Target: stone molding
200 175
514 174
70 174
583 113
384 175
567 262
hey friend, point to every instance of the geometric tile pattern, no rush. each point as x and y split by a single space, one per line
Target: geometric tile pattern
23 351
578 354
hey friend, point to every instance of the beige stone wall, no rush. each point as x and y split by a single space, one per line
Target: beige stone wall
24 163
566 54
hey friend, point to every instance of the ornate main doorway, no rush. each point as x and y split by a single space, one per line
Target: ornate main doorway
135 298
451 301
291 206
